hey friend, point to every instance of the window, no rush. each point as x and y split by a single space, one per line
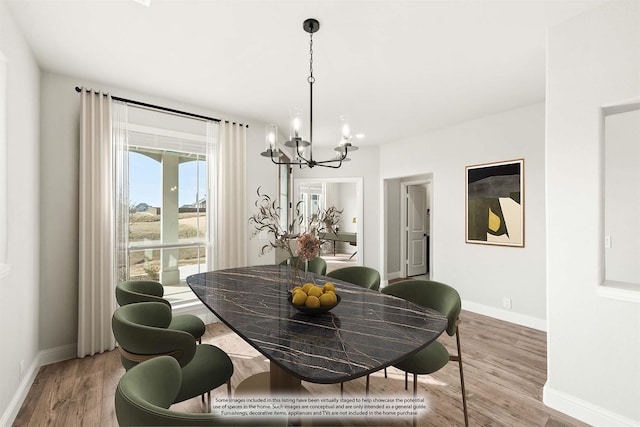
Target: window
165 230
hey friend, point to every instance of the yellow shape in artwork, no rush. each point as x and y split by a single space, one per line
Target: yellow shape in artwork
494 221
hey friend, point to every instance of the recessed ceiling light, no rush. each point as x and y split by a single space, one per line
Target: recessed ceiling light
144 2
359 135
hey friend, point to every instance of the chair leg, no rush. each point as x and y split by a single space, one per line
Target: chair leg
341 389
464 394
367 387
415 394
406 381
208 401
229 388
385 372
200 340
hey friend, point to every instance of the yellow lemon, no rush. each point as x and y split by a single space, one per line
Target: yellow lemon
297 288
307 286
312 301
298 291
328 298
328 287
316 291
299 298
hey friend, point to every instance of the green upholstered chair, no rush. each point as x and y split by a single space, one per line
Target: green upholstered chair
316 265
142 333
446 300
366 277
133 291
145 392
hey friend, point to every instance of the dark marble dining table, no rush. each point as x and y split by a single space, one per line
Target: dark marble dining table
366 332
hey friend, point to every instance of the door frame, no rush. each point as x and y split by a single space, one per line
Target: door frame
404 225
358 181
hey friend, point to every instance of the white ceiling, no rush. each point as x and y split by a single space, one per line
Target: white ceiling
397 68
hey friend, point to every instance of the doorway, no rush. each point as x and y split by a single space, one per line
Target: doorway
417 229
344 247
408 227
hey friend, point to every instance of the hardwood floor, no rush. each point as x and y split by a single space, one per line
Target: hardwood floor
504 367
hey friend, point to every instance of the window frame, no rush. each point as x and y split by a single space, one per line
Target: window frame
203 242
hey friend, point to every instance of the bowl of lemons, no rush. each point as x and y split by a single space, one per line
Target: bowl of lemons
313 299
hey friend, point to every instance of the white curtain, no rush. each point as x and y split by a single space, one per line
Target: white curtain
212 134
96 299
120 141
231 213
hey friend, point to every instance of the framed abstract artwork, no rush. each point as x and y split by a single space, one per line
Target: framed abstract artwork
494 203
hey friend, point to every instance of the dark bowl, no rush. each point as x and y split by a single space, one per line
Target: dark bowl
313 310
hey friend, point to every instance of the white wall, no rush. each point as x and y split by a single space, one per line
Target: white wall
347 203
393 228
59 197
483 275
363 164
593 341
19 289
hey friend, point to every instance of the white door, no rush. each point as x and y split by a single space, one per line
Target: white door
416 230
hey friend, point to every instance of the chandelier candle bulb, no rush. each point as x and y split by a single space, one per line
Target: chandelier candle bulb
295 115
346 128
270 136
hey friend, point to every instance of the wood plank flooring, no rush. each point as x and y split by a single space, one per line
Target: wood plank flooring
504 367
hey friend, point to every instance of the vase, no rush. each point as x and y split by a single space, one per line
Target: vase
299 274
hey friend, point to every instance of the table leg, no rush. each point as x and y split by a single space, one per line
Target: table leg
282 382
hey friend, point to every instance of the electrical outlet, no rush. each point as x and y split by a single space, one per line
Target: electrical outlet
607 242
506 303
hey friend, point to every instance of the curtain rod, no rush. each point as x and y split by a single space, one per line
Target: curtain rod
169 110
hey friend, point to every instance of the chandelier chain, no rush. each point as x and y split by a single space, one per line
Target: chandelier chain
311 79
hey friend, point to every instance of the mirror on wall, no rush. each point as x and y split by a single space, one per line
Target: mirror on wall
622 195
344 245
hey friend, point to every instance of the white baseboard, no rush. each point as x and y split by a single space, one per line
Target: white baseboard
57 354
394 275
506 315
390 276
15 404
583 411
44 357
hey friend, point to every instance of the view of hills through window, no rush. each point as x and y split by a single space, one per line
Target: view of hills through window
166 230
